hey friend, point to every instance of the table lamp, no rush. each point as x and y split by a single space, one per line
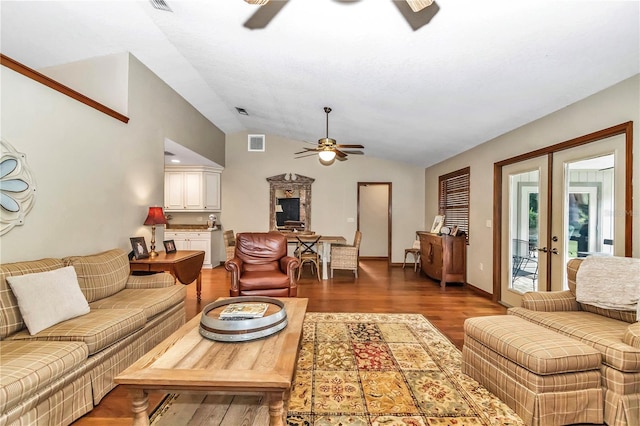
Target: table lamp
155 217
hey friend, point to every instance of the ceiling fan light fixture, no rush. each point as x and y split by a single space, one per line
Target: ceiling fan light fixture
327 156
258 2
418 5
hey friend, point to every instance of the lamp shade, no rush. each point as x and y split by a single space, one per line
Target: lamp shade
327 156
155 217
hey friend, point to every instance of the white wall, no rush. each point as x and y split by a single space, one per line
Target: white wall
95 175
245 190
615 105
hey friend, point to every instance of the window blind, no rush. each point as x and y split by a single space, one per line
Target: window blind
453 199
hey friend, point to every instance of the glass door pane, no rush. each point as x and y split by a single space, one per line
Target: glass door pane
588 190
524 192
523 228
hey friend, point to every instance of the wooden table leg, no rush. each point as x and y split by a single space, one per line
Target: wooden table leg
139 405
276 408
326 253
199 286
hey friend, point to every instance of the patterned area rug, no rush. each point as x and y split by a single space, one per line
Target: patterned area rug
368 369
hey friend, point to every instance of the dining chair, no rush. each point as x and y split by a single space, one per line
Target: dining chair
229 244
415 251
307 252
346 257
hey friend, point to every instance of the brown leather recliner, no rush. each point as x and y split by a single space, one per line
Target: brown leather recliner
261 266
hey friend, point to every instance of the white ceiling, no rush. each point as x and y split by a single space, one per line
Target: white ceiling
417 94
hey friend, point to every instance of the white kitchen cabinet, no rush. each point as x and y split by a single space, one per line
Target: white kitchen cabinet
196 240
192 189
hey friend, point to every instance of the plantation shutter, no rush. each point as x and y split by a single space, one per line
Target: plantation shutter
453 199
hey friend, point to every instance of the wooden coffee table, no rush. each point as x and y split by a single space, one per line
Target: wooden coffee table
187 362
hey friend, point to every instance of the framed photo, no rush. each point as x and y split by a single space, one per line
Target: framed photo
454 230
139 247
437 224
169 246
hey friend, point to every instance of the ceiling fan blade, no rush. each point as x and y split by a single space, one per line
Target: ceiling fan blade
353 152
261 18
340 153
350 146
417 20
307 150
308 155
342 158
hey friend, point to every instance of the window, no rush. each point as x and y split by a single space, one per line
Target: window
453 199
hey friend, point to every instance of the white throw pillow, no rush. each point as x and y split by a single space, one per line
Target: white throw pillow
47 298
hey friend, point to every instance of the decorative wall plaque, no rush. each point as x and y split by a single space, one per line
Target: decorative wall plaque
17 188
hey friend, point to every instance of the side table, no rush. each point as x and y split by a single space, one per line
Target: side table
184 265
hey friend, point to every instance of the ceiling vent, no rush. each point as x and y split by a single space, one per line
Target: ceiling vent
161 5
256 143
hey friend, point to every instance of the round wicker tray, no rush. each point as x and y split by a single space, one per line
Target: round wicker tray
245 329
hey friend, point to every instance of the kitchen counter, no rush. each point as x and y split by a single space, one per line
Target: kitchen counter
189 228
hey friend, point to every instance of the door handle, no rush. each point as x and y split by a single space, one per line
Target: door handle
542 249
554 251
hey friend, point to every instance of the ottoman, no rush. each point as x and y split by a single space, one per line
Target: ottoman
545 377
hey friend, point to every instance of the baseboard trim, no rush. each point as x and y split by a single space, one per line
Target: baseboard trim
479 291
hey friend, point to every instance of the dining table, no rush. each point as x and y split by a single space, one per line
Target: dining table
325 241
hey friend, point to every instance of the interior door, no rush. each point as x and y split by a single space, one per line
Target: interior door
374 219
524 228
588 198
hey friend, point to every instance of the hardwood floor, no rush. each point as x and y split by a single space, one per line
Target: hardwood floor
378 288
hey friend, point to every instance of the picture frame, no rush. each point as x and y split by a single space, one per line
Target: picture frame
139 247
169 246
454 230
438 221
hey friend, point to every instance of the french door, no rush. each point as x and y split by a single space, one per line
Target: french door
564 204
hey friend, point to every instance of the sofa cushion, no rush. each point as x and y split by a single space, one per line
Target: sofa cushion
47 298
152 301
97 329
30 366
257 280
602 333
10 317
101 275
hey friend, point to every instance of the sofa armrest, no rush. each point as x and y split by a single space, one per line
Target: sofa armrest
289 264
550 301
235 267
159 280
632 335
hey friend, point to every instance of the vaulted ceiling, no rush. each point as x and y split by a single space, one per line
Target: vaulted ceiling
413 87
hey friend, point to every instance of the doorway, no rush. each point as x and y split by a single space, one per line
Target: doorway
374 219
557 204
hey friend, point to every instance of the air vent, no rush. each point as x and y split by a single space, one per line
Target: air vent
161 5
256 142
242 111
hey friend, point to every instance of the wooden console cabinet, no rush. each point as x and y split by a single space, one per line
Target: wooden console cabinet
443 257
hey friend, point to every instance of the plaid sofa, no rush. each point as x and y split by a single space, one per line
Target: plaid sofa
616 334
60 373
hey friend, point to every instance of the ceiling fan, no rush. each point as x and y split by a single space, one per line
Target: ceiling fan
417 13
328 149
416 5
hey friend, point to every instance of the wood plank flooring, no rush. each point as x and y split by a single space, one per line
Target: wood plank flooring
378 288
